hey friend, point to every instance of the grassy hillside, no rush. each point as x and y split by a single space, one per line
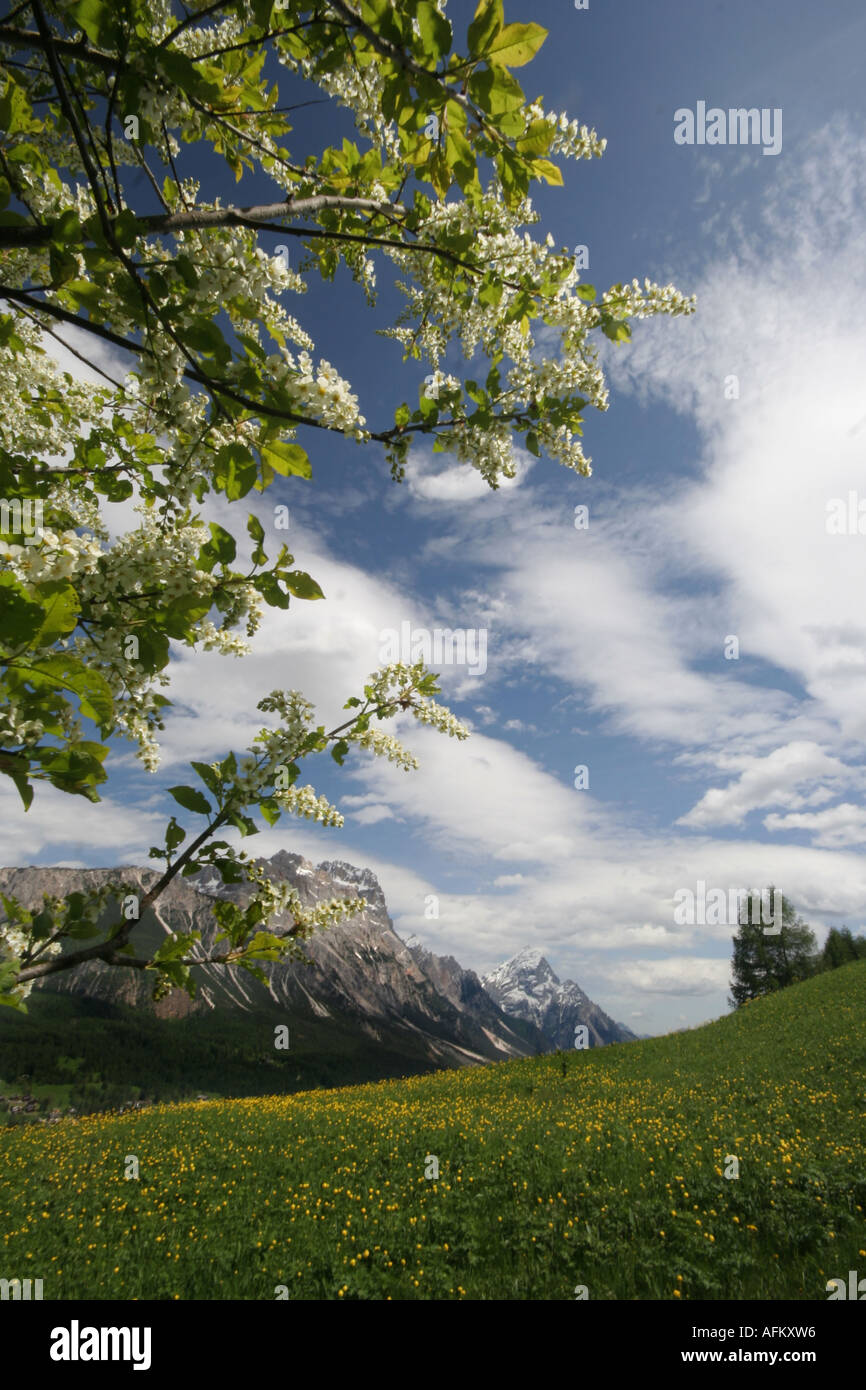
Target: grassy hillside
601 1168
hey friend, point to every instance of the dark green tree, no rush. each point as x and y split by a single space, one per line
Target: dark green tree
841 947
765 957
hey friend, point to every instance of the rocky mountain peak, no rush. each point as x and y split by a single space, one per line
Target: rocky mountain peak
360 882
527 987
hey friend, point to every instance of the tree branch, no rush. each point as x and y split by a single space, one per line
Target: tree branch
80 49
71 119
106 949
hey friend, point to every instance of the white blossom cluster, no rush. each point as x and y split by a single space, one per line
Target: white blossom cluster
23 378
273 749
154 560
501 242
641 301
490 451
322 393
278 897
384 745
395 684
440 386
571 139
303 801
324 915
439 717
16 729
63 555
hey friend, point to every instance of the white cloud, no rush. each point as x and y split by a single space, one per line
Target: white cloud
769 781
372 815
835 828
431 481
76 831
676 975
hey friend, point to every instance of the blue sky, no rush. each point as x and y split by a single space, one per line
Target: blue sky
605 645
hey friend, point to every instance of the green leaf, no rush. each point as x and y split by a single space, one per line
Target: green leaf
203 335
25 790
435 31
66 228
235 471
187 271
8 978
191 800
301 585
265 946
153 648
61 615
490 293
175 947
125 227
474 392
90 295
222 544
20 617
229 767
184 73
286 459
268 586
459 152
496 91
486 24
174 834
617 332
15 110
244 824
545 169
63 265
93 16
209 776
515 45
339 751
82 931
95 699
537 139
255 970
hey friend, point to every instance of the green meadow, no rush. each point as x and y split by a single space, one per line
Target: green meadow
723 1162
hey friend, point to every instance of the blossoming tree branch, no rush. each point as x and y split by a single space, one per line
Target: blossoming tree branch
107 108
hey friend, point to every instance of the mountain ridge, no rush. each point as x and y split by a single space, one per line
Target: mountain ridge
360 974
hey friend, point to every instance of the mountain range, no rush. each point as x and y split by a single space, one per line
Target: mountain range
404 1007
